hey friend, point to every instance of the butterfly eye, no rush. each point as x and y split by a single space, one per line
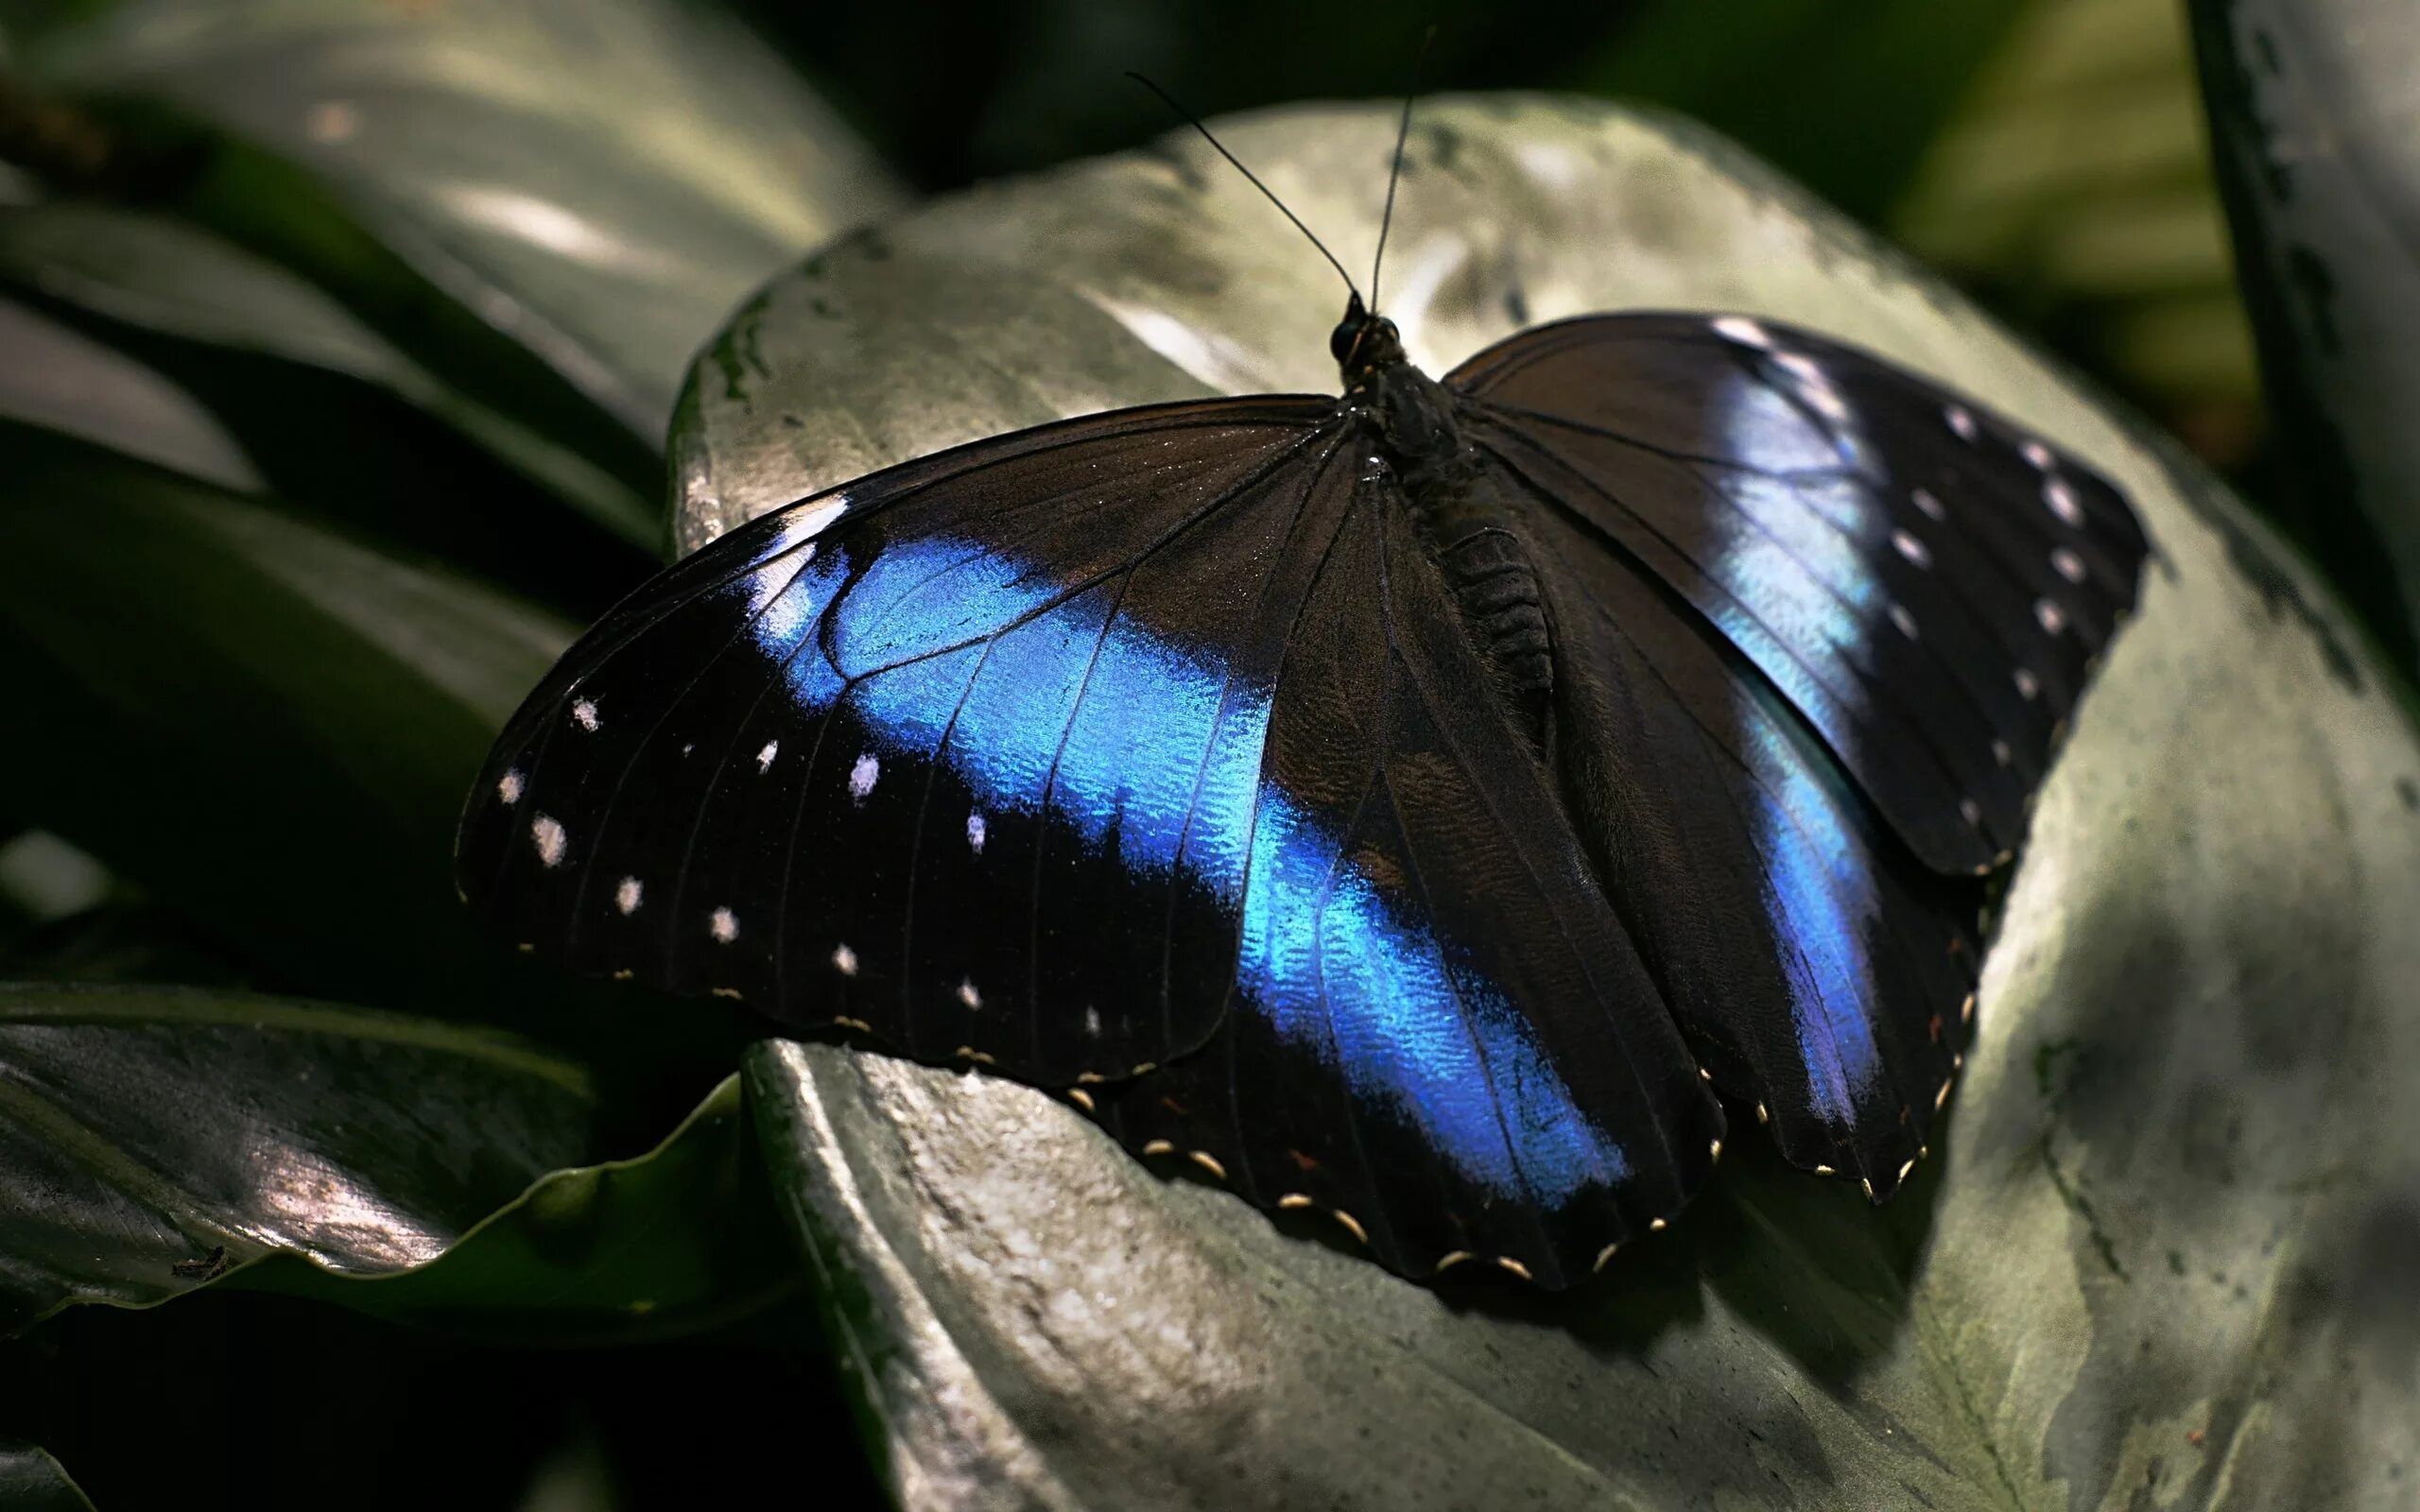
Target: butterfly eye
1343 339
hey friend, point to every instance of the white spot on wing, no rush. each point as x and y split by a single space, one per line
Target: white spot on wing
2062 500
1930 504
1909 547
508 787
765 757
2001 753
976 830
844 960
2028 685
967 994
1740 331
2049 615
626 896
2037 456
2068 564
1905 621
1091 1021
584 713
724 926
1970 811
1961 422
546 833
863 775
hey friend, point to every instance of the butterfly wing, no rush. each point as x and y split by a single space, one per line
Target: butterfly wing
1819 969
958 755
1818 625
1925 584
1068 752
1441 1033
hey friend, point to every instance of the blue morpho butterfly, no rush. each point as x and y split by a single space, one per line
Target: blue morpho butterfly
1410 807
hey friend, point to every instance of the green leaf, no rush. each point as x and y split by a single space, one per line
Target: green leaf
2072 190
2312 107
152 1137
261 345
1844 98
596 181
62 382
2161 1251
672 1242
269 728
31 1480
254 716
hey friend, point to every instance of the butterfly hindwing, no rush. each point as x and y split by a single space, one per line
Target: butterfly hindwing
1441 1033
1823 972
1926 585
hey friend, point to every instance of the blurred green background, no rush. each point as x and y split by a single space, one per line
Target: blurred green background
320 461
2049 154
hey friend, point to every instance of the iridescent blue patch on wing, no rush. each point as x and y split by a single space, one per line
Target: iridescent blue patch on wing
1339 967
1824 909
1151 752
1806 573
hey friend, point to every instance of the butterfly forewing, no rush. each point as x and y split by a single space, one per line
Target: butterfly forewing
886 772
1926 585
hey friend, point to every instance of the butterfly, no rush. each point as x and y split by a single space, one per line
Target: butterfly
1417 808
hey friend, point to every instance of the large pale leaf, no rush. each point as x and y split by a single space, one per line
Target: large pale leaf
2315 121
152 1137
2161 1255
597 180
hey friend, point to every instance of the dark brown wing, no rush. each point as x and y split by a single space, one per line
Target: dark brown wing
1818 625
1924 583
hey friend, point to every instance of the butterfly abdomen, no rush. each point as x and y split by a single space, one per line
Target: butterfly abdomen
1497 589
1468 522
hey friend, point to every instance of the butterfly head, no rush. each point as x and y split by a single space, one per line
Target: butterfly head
1362 343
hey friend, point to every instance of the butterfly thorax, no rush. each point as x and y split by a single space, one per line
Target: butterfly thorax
1461 511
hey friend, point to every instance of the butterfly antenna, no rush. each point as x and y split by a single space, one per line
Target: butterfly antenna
1394 174
1195 121
1403 133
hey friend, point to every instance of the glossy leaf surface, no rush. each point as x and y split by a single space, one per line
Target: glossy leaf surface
153 1138
189 296
2163 1208
31 1479
672 1242
60 381
591 183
